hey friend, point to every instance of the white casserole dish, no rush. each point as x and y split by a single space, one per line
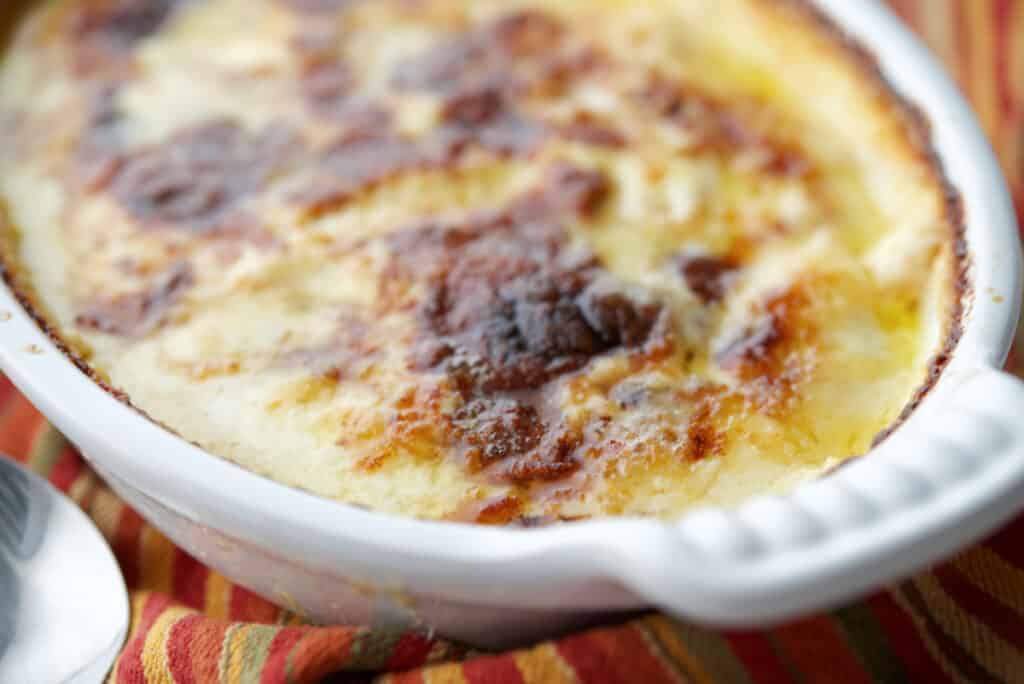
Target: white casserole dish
944 477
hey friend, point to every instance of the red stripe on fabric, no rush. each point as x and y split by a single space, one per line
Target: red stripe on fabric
1001 44
496 670
758 657
207 644
245 606
411 651
905 640
127 539
589 661
614 655
18 429
819 652
1006 542
131 670
189 580
994 614
180 642
8 394
276 665
66 470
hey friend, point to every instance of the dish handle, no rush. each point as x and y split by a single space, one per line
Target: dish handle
951 473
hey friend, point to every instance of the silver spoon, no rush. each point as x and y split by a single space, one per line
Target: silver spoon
63 602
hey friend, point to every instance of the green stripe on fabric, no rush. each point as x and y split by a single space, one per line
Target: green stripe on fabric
714 653
371 649
867 640
256 647
46 450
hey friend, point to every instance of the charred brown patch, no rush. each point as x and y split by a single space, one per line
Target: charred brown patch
768 356
508 440
138 313
104 32
199 177
498 510
708 277
485 117
509 53
589 130
509 308
100 146
703 438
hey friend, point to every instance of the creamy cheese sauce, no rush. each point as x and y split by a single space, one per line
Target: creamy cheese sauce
506 262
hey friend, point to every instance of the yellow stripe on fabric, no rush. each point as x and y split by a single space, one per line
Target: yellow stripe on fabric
157 561
663 639
218 596
84 487
993 575
105 511
47 446
154 650
445 674
542 665
987 647
981 38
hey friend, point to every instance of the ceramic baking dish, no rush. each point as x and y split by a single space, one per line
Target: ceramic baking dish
950 473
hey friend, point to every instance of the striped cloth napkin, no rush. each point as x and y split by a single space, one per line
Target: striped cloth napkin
960 622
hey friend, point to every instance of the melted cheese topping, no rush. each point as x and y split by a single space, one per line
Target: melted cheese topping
508 262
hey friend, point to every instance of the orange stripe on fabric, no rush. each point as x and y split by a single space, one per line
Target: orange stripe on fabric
130 668
982 63
218 592
543 665
757 654
249 607
905 640
180 640
17 430
207 645
321 652
1003 24
156 560
818 650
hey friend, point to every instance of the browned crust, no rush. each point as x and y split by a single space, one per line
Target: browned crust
919 132
918 128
